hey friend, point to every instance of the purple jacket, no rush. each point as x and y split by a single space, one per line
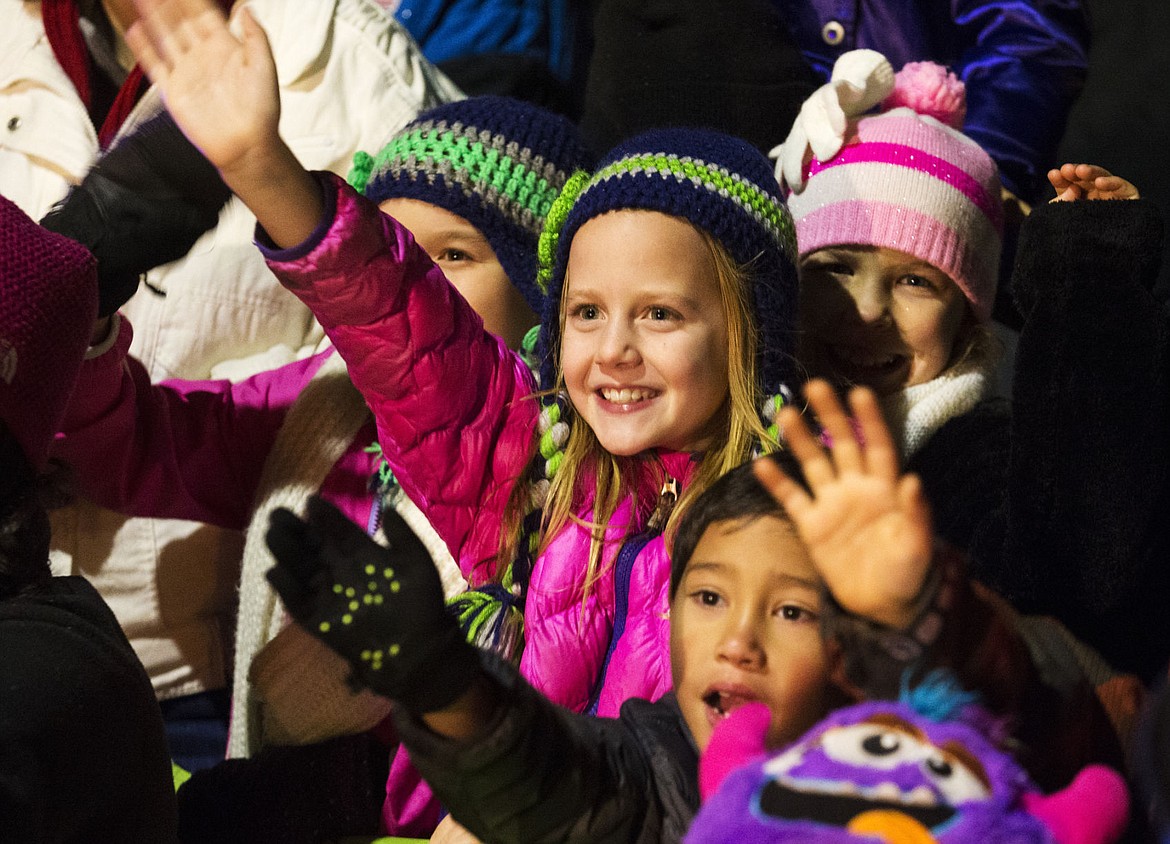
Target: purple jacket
1024 63
457 422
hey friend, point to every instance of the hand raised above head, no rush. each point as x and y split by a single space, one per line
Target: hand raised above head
1088 181
220 89
866 525
382 609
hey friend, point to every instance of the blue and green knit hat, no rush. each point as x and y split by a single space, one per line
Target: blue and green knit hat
497 162
721 184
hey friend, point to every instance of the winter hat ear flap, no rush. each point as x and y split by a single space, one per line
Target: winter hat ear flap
547 279
48 304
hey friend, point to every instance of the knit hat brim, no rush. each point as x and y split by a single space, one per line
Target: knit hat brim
721 185
48 304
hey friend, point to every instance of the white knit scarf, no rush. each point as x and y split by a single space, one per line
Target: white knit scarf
316 432
916 412
307 696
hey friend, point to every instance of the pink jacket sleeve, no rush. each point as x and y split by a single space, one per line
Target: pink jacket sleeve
453 404
178 449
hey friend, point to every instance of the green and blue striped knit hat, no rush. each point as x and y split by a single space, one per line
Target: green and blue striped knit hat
497 162
719 183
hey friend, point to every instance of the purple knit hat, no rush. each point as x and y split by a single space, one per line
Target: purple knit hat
906 179
48 304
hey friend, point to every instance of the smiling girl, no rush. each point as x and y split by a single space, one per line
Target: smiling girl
899 234
664 346
1060 497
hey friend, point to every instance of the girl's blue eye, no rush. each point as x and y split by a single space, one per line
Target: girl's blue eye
585 312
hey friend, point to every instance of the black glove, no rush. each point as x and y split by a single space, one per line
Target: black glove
142 204
381 609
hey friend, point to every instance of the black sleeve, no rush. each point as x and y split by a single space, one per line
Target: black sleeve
1066 505
540 773
1090 464
143 203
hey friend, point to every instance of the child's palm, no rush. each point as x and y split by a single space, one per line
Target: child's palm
221 90
869 545
866 526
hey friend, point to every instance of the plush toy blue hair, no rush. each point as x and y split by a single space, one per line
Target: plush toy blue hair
921 769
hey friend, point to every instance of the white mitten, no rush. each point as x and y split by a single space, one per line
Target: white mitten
861 79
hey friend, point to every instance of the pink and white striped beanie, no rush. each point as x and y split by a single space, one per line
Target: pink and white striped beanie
906 179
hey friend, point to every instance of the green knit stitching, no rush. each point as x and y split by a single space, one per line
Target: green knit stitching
548 446
714 179
483 165
773 430
359 174
554 221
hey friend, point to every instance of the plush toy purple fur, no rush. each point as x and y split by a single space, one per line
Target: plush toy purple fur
885 772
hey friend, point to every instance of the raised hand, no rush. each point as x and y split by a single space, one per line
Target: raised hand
222 93
1088 181
381 609
220 89
867 526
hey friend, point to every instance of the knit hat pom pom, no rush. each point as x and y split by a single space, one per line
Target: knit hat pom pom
932 90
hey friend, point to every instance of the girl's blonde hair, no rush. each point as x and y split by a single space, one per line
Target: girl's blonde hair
726 189
742 433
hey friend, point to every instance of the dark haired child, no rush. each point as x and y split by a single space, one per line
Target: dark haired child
82 750
754 584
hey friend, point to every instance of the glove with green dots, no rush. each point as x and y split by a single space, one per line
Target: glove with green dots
381 609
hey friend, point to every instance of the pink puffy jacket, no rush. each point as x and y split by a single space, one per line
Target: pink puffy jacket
457 423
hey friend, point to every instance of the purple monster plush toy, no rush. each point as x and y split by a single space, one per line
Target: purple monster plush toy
921 769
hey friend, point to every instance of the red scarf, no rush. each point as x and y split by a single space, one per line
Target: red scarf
61 20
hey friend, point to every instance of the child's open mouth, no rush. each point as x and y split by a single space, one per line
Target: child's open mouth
868 367
720 703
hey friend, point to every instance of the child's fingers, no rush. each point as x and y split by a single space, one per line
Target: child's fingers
1115 187
1087 173
787 492
151 62
806 448
293 545
165 23
336 529
403 542
913 503
880 455
822 398
255 38
148 27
